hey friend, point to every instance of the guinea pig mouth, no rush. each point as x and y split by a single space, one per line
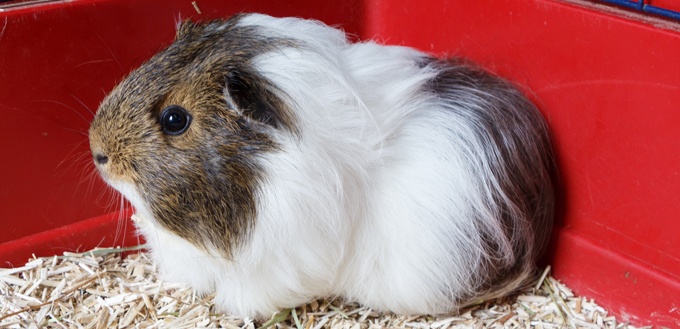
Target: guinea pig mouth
130 193
103 174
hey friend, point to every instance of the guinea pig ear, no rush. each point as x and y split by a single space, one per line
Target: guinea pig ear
184 28
251 97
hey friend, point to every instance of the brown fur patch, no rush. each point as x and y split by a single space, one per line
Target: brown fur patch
201 184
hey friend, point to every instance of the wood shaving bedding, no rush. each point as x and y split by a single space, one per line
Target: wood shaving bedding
100 289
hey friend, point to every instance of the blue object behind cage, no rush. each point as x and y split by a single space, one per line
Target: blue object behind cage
642 6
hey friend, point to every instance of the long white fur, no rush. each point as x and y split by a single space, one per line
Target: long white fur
373 200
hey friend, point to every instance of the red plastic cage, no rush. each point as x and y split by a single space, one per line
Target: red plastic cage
607 80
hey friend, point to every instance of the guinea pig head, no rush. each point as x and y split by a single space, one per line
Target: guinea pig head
180 137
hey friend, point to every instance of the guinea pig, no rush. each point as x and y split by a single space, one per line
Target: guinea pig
272 162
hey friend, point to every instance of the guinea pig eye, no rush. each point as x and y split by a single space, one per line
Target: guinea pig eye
175 120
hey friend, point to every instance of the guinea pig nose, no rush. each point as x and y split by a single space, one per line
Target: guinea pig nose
101 159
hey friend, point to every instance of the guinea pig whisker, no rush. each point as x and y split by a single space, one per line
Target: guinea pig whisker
68 107
2 32
83 171
94 62
119 221
74 130
110 52
100 242
69 157
83 104
110 193
91 178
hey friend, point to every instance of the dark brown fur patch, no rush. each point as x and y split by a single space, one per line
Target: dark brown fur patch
520 156
202 184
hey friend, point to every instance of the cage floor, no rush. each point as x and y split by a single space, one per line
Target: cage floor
102 289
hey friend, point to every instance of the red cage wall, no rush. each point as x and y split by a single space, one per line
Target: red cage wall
607 80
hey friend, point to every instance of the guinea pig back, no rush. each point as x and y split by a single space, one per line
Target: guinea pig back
273 162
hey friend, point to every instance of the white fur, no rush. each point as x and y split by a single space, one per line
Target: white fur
374 200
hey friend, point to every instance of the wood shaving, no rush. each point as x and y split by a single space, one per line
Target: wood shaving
102 289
